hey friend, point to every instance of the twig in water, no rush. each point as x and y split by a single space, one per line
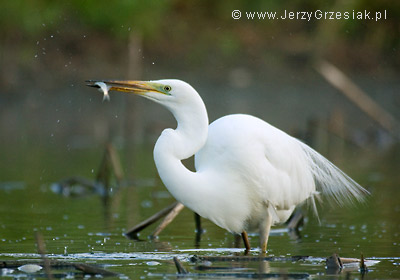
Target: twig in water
363 266
132 233
179 266
168 219
42 251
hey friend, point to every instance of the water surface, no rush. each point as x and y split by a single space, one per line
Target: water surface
81 228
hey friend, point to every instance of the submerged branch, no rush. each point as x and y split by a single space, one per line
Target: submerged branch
132 233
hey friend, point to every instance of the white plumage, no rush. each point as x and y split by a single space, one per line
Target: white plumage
249 174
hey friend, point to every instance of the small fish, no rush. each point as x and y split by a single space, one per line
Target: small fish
105 89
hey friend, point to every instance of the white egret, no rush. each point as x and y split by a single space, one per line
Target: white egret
249 175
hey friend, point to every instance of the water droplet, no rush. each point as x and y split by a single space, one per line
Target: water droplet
146 203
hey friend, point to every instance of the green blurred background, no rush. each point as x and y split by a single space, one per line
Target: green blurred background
263 67
52 126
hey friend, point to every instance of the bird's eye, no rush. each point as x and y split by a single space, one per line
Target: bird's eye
167 88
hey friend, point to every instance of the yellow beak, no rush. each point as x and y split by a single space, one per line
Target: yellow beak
137 87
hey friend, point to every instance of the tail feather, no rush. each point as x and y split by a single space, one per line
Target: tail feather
315 195
332 181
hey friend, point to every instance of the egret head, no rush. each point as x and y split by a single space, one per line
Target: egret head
170 93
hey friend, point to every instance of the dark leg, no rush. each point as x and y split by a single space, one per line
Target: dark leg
197 220
246 242
199 230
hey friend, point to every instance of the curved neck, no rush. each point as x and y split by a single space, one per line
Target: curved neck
191 132
175 145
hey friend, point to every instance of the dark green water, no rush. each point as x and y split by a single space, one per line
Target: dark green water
82 229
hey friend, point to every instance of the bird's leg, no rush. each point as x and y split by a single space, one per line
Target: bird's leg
265 228
246 242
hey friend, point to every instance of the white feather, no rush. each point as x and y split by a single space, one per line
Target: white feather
332 181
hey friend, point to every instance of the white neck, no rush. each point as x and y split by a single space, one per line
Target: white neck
183 142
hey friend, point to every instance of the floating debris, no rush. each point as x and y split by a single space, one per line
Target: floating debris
30 268
196 258
182 272
153 263
335 264
76 186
